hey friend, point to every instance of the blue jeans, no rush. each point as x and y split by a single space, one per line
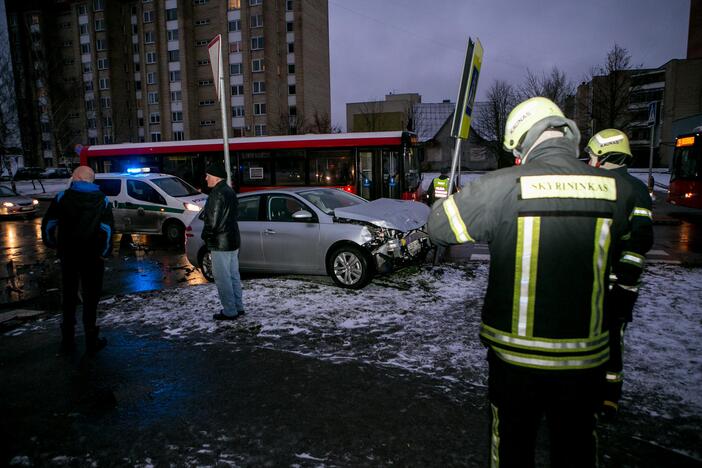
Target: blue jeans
225 269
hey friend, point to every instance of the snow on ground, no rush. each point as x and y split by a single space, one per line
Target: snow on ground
427 321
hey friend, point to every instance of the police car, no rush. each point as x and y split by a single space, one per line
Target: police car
144 202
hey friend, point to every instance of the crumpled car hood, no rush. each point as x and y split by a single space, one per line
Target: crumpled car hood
401 215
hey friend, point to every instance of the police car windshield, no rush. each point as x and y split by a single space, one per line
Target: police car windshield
175 187
329 199
6 192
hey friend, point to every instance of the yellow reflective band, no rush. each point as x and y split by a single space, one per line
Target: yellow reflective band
495 438
568 186
614 376
456 222
555 363
638 211
528 229
632 258
599 264
555 345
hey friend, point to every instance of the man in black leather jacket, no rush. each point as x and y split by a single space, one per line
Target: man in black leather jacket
221 235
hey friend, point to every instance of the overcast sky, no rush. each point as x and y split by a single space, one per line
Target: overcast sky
402 46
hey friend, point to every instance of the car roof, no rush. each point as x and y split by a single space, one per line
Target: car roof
146 175
286 190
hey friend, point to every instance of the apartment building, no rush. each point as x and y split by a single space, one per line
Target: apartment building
108 71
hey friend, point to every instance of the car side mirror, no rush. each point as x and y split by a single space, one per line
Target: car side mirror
302 215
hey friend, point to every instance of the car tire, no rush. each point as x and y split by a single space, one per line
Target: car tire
349 267
174 232
205 262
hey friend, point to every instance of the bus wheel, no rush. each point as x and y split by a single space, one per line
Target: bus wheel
349 267
174 231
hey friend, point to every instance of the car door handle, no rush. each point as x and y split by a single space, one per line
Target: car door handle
269 231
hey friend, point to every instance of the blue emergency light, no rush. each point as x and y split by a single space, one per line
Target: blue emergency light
138 170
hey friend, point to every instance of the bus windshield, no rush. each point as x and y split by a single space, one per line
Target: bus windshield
688 163
175 187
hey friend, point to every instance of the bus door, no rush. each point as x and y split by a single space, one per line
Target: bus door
366 174
391 181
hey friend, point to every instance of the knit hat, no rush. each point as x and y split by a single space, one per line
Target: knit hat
217 169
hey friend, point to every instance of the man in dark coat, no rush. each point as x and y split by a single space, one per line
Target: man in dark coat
221 234
79 225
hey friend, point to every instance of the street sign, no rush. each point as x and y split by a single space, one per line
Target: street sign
652 113
466 93
214 48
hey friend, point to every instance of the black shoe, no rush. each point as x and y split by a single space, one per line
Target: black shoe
95 346
221 316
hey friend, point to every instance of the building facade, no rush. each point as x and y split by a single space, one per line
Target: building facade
108 71
394 113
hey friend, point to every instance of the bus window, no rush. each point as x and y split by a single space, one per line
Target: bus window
333 168
411 167
688 163
366 174
290 168
255 169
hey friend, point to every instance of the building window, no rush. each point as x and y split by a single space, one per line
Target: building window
235 69
203 62
154 118
291 47
173 55
137 85
207 102
172 34
98 5
259 108
88 85
151 78
233 4
292 111
201 43
256 21
177 116
67 43
257 65
202 22
291 68
92 140
107 139
135 49
68 62
176 96
105 102
101 44
91 123
203 83
83 28
82 9
87 67
155 136
153 98
207 123
291 89
135 28
107 122
149 37
178 135
104 83
149 16
289 26
99 25
200 2
234 47
171 14
259 130
151 57
257 43
174 76
85 48
259 87
103 63
238 111
255 2
237 90
235 25
289 5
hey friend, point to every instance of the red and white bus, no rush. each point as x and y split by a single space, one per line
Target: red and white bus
372 165
686 172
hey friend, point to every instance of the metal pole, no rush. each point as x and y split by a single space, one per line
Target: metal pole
650 160
225 118
456 156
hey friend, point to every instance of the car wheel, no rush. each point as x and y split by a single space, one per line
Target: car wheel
174 231
206 265
349 267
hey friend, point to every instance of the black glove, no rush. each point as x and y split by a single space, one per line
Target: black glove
620 304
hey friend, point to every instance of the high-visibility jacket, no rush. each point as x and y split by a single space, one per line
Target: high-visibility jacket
552 226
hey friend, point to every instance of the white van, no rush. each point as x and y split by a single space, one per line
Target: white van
151 203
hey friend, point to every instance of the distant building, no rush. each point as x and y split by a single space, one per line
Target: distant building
694 32
394 113
102 71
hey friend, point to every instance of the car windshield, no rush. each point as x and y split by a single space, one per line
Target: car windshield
6 192
328 200
175 187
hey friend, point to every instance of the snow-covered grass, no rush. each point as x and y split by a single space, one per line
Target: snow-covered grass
427 321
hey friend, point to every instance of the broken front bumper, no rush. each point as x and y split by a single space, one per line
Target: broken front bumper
400 251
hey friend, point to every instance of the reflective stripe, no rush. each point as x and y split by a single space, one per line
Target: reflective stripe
599 264
632 258
614 376
527 255
558 363
495 438
568 186
634 289
555 345
456 222
638 211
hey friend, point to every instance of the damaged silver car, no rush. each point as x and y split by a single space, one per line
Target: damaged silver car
322 231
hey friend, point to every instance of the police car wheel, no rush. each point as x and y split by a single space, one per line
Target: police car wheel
206 265
349 267
174 231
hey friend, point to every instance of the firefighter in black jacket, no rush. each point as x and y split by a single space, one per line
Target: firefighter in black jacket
609 149
79 225
552 224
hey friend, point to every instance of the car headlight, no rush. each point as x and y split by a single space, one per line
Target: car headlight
8 204
191 207
35 201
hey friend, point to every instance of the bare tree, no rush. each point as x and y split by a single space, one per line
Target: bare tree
370 116
611 87
490 122
554 86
